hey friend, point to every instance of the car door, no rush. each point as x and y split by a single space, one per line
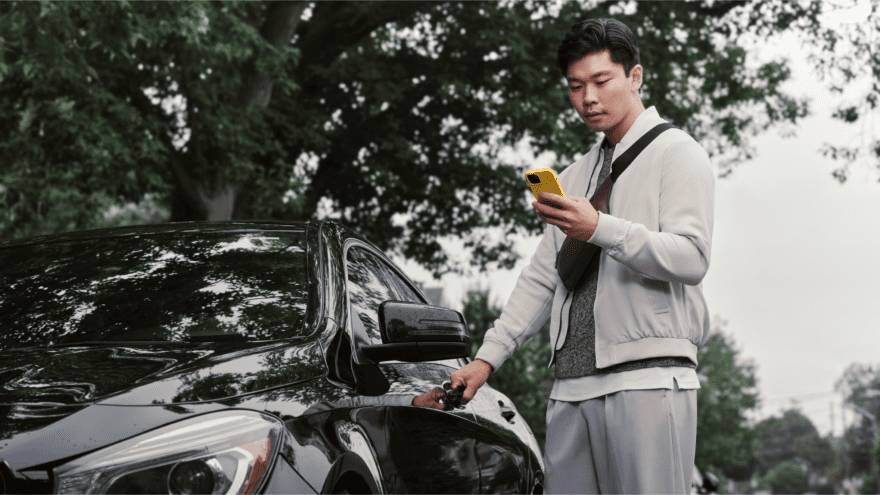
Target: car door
506 449
428 450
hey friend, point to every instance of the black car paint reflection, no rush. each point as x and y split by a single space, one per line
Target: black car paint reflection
107 334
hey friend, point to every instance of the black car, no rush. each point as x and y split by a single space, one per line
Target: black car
704 483
237 357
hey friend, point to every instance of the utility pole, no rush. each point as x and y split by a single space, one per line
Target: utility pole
844 450
831 409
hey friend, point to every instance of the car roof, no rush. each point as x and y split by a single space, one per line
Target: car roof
162 228
200 226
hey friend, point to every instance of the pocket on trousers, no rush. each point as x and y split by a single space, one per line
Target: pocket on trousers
549 415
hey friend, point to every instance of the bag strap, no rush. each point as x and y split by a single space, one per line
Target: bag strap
629 155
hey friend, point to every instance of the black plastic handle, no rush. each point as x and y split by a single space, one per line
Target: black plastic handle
452 398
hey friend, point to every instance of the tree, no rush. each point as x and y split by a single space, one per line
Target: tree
840 57
792 437
860 386
74 76
869 484
876 453
858 443
523 376
786 477
381 110
727 391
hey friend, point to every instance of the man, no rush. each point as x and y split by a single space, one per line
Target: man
623 409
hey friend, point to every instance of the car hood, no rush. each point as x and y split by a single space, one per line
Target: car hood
60 402
151 374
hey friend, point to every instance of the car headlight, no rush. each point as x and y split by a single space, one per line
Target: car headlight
221 452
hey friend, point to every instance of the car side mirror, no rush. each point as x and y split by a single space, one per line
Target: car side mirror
414 332
710 483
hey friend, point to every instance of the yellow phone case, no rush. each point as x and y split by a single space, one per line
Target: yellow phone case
547 182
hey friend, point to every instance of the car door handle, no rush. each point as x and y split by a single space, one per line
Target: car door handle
506 412
451 398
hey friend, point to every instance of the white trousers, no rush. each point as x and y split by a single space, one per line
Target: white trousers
633 441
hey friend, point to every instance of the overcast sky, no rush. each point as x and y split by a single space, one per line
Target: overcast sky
795 254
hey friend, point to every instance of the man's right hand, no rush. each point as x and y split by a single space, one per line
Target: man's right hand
472 376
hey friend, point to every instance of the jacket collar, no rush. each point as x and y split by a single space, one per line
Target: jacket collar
643 123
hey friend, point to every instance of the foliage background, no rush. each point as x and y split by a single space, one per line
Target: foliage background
382 111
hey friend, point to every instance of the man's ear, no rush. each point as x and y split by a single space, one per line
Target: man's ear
636 74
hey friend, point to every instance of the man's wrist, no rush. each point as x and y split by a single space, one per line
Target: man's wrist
491 369
592 236
595 226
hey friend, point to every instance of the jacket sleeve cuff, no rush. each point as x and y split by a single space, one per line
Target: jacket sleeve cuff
493 353
609 231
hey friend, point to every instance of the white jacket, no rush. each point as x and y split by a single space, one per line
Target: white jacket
656 245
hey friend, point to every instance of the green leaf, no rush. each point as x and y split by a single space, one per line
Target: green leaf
27 117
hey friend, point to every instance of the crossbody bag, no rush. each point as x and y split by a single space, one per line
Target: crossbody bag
575 255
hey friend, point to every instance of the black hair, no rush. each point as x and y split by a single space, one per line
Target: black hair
594 35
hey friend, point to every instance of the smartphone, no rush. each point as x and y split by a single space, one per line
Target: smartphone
544 180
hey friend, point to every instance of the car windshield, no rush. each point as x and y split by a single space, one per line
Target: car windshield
157 287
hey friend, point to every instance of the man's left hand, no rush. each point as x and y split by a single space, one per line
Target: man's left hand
575 215
430 399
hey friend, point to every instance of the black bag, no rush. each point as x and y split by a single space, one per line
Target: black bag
576 254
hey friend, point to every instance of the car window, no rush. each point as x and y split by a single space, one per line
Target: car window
370 282
181 286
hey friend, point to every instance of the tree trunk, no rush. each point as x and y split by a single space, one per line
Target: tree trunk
211 196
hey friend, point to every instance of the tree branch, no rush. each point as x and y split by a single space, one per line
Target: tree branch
336 26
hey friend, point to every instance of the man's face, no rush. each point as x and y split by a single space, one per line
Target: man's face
596 85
